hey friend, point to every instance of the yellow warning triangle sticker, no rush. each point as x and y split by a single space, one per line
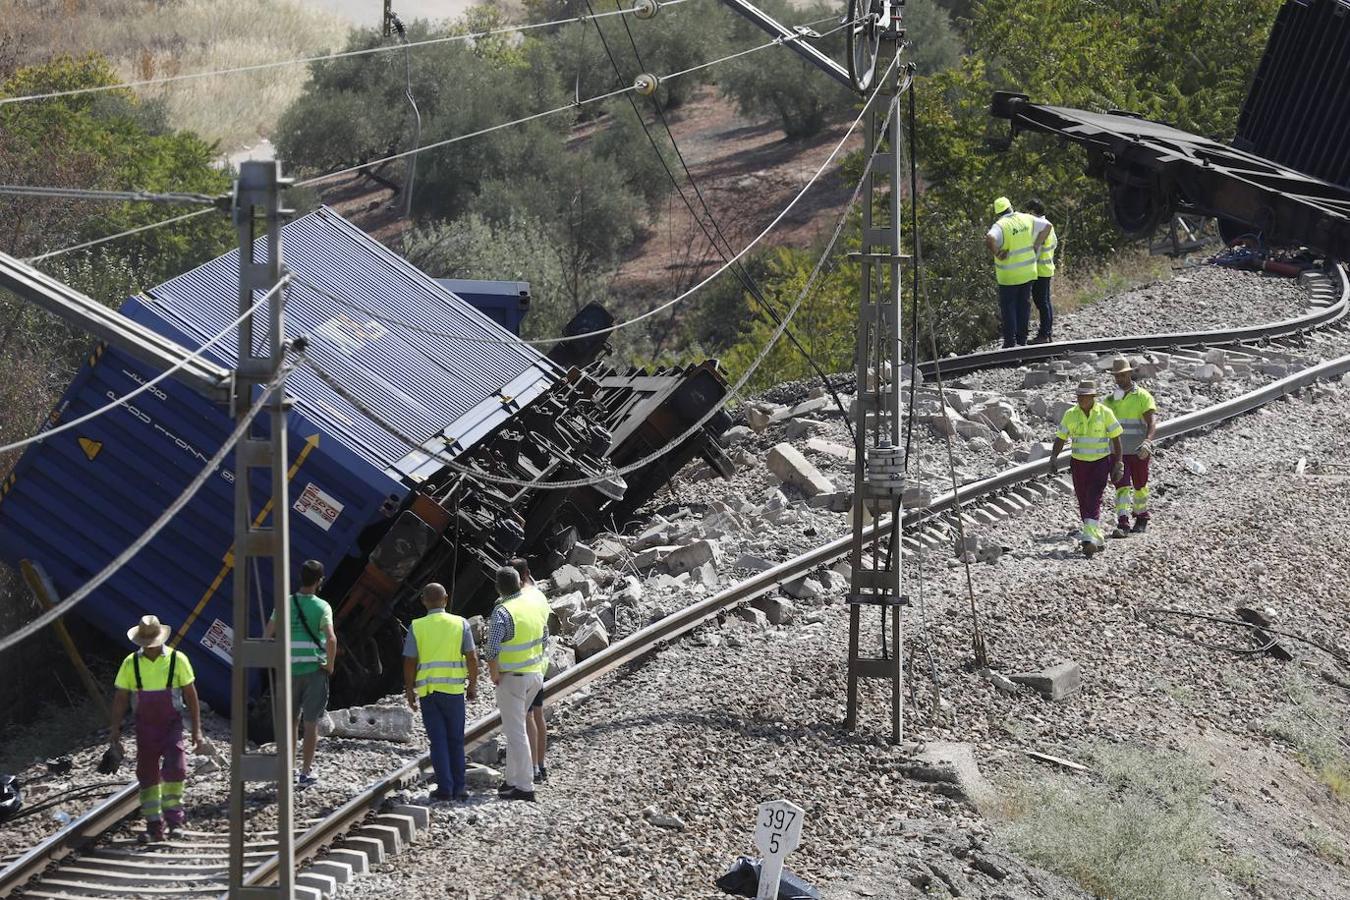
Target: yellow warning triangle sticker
90 447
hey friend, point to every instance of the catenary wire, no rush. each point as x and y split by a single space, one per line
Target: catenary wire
66 193
66 426
692 429
715 237
70 602
471 339
305 60
575 104
366 165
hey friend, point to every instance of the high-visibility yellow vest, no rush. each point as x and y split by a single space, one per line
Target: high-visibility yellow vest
440 654
1090 433
1019 239
1130 410
1045 261
524 653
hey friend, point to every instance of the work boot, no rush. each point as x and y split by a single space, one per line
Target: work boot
517 794
1121 531
154 832
1140 526
1040 339
1088 548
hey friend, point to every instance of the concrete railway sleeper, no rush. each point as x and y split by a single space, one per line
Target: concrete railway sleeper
78 862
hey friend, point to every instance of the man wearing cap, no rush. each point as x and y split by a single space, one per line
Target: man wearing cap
517 633
1011 240
1092 430
535 723
1044 245
158 684
1137 412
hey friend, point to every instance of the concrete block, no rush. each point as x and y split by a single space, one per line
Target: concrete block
653 556
970 430
326 885
589 640
753 616
406 826
582 555
481 778
776 609
1054 683
787 463
806 407
569 579
761 417
830 448
652 537
691 556
371 847
340 872
564 610
389 836
800 428
421 815
384 723
835 501
804 588
308 892
753 563
354 861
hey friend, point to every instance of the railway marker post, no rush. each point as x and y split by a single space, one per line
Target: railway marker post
879 455
778 831
257 194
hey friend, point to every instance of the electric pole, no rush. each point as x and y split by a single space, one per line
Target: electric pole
259 546
879 463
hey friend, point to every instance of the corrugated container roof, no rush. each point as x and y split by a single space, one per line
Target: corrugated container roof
423 384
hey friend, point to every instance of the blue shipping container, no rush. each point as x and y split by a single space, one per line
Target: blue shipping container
504 302
78 499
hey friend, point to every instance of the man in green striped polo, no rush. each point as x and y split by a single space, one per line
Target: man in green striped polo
313 654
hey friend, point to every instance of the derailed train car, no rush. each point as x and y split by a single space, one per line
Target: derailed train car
385 432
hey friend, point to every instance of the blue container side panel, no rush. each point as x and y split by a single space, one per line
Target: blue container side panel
505 302
79 498
403 358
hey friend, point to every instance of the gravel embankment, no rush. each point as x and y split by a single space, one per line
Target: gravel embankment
719 701
741 714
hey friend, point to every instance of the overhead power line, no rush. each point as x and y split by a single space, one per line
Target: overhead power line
85 245
732 391
514 341
111 569
306 60
113 404
64 193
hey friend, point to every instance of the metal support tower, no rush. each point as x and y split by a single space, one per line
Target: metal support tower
879 465
261 353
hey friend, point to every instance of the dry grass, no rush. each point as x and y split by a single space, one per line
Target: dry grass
1145 832
1316 731
1124 271
154 38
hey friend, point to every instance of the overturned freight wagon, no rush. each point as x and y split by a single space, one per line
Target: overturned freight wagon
395 433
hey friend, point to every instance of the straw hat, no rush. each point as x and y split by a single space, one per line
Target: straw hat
1120 365
1087 388
149 633
1002 205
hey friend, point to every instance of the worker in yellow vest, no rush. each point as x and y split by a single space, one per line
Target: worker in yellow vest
1092 430
440 670
1138 415
159 685
517 659
535 722
1044 245
1011 240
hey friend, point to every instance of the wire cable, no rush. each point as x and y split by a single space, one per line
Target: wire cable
114 237
111 569
574 104
64 193
66 426
692 429
514 341
739 270
433 146
320 58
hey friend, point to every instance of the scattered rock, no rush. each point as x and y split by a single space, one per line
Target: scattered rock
691 556
753 563
590 639
787 462
830 448
1055 683
805 588
753 616
776 609
659 819
582 555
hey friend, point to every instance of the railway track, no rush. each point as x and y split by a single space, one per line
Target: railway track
196 865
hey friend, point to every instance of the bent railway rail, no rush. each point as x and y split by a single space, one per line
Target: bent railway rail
121 874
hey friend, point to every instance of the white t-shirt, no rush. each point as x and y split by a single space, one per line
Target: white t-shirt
1040 223
996 231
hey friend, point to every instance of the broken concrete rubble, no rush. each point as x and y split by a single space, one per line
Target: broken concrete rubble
589 640
1055 683
787 463
776 609
691 556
